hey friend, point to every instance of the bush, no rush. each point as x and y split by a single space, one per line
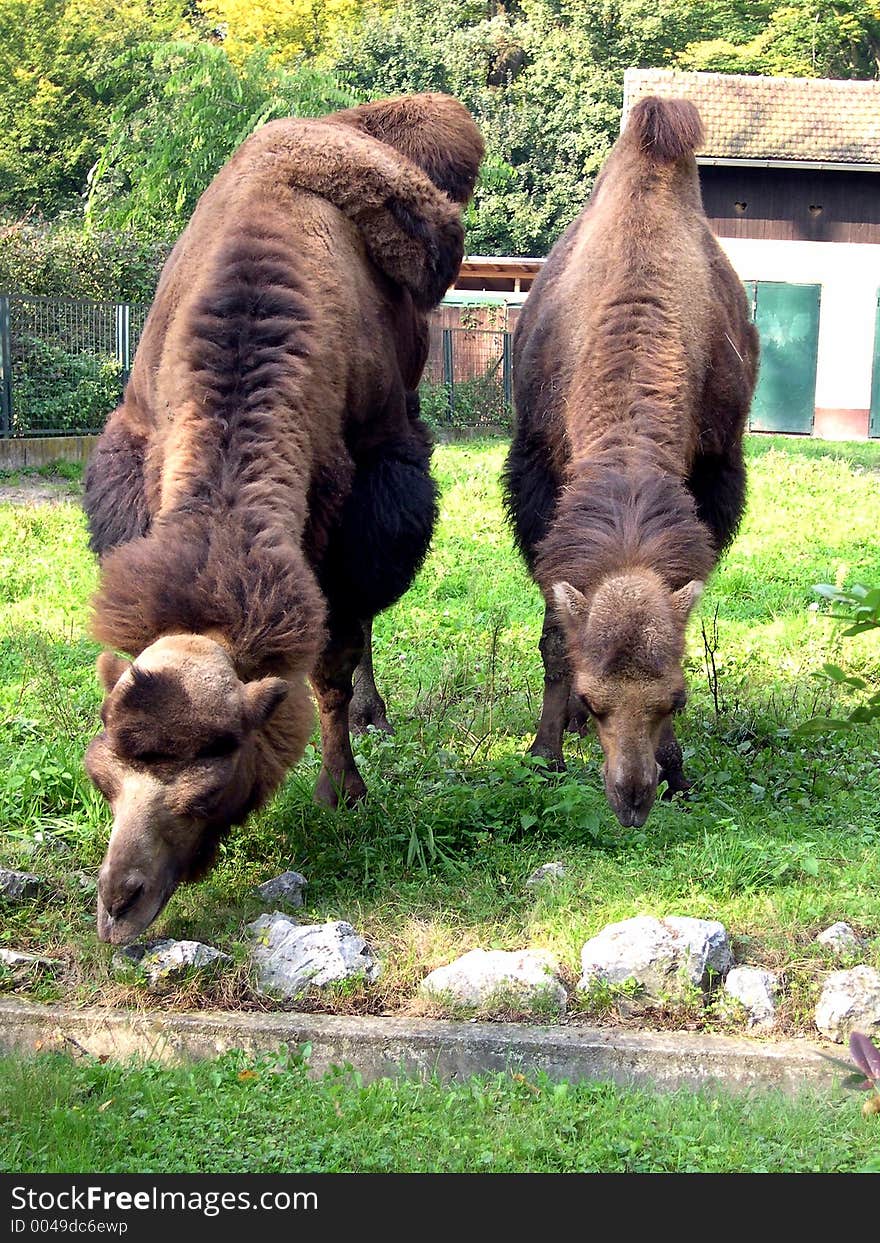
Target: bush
475 403
56 390
65 260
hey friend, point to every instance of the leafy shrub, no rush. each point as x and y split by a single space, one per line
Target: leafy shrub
57 390
860 606
65 260
467 403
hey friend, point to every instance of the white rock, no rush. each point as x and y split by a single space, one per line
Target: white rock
756 990
286 889
546 872
18 886
482 977
21 960
841 939
290 957
164 961
850 1002
664 956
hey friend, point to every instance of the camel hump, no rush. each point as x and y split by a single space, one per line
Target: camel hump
666 129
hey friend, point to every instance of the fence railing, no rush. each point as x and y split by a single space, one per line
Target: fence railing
64 365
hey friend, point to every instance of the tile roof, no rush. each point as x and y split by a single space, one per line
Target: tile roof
749 118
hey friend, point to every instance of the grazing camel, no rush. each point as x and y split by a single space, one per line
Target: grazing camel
635 361
264 489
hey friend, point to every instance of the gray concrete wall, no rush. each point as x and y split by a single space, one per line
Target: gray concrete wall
41 450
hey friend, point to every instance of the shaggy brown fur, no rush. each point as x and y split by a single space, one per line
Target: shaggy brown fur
264 487
635 361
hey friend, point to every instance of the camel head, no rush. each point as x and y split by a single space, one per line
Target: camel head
625 645
176 761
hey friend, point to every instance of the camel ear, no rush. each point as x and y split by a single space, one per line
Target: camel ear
110 669
569 600
686 597
261 699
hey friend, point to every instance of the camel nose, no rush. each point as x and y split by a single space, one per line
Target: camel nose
119 895
633 793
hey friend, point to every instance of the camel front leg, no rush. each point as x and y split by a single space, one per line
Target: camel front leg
339 780
557 691
367 705
669 761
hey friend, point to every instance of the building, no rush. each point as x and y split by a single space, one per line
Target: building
790 177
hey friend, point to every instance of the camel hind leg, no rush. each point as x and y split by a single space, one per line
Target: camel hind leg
339 781
557 694
367 706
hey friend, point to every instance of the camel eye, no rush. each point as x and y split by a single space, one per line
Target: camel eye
218 748
153 757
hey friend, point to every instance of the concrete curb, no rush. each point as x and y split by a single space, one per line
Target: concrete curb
390 1047
41 450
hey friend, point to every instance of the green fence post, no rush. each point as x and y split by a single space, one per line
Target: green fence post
5 368
123 341
507 372
448 373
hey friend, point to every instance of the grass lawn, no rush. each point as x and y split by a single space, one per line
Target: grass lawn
240 1116
779 838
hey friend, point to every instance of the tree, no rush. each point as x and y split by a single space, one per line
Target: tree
805 39
287 29
188 108
58 89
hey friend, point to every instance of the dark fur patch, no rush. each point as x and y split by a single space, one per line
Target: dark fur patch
718 485
187 576
384 532
223 559
530 490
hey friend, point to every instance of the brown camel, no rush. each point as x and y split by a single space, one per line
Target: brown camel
264 489
635 361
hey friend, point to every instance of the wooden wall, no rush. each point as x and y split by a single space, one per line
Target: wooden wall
785 204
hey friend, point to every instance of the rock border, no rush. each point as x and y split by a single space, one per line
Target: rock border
391 1047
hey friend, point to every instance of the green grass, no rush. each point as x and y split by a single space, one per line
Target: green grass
779 838
239 1115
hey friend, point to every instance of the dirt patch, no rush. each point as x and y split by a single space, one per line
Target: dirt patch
39 491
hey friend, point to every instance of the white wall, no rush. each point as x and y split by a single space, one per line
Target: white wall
849 274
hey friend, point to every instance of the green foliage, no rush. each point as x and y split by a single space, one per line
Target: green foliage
61 391
477 403
266 1114
188 109
149 99
64 260
860 607
60 76
801 38
544 79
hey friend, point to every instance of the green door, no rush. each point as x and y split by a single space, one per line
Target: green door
875 378
787 318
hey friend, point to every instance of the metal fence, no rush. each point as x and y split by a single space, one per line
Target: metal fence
64 365
468 380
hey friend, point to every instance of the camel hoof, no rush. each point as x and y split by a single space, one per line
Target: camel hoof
344 791
553 761
360 722
676 783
